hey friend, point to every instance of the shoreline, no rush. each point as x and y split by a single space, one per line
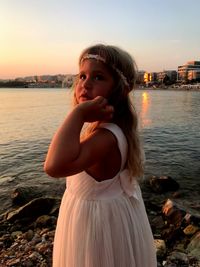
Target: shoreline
189 88
170 88
27 230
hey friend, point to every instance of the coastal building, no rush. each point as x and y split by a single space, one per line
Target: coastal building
153 77
194 75
167 76
189 71
146 77
68 81
140 77
150 78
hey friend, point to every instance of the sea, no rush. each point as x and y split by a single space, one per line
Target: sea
169 123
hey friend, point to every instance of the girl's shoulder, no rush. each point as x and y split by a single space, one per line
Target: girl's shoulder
116 131
120 137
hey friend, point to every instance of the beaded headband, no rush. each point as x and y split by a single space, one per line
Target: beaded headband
99 58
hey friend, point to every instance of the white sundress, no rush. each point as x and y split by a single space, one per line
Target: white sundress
103 224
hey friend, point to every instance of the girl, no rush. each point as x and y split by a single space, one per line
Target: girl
102 219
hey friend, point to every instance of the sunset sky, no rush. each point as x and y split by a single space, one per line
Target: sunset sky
46 36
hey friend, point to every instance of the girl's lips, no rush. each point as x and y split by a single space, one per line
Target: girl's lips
85 97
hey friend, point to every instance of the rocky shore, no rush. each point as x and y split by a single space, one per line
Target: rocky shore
173 87
27 229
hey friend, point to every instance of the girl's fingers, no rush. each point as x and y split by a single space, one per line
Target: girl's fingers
100 100
97 109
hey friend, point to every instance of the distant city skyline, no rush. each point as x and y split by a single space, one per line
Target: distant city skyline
46 37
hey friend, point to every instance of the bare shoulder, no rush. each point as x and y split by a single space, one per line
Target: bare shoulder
103 135
106 151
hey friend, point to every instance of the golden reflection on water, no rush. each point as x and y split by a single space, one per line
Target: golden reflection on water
145 110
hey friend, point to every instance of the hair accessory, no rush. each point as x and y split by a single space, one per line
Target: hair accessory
99 58
91 56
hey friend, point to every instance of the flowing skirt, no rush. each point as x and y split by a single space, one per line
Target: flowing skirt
111 231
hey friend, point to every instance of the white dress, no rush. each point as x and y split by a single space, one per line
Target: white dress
103 224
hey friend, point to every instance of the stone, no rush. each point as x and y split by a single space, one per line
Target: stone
177 214
23 194
14 235
173 212
158 222
13 262
193 247
34 208
163 184
160 248
190 230
28 235
35 256
43 221
171 235
178 258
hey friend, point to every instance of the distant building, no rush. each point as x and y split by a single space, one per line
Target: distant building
146 77
153 77
68 81
140 77
189 71
167 76
194 75
150 78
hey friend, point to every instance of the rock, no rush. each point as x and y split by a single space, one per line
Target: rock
163 184
158 222
35 256
180 247
190 230
16 234
28 235
7 240
43 221
169 264
13 262
194 246
171 235
177 214
160 248
23 194
32 209
43 248
192 217
178 258
177 194
173 212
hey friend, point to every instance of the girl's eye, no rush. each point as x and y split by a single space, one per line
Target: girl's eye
82 76
98 77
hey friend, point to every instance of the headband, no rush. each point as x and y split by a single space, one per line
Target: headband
99 58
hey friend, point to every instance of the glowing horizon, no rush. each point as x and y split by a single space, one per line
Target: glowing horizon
46 37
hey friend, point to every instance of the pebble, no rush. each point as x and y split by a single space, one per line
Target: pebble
177 244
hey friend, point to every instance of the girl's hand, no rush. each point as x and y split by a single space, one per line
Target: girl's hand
96 109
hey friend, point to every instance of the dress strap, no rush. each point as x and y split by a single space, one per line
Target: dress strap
121 139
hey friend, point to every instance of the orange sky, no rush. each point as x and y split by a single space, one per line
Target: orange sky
46 37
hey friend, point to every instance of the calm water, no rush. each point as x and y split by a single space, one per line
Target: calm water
169 123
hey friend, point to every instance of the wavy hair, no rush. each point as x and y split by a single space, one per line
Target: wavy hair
125 115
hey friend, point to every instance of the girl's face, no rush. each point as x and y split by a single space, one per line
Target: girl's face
94 79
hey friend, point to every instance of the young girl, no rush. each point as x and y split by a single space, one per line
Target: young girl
102 220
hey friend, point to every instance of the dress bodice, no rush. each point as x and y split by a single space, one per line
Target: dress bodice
84 186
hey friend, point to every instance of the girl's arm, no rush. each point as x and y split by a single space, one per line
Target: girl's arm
66 154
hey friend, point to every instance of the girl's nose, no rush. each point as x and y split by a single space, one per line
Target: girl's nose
87 83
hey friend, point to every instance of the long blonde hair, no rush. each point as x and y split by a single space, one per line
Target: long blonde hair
125 115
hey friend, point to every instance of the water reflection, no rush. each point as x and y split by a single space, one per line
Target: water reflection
145 119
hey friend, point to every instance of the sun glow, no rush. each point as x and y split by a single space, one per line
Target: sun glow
145 121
